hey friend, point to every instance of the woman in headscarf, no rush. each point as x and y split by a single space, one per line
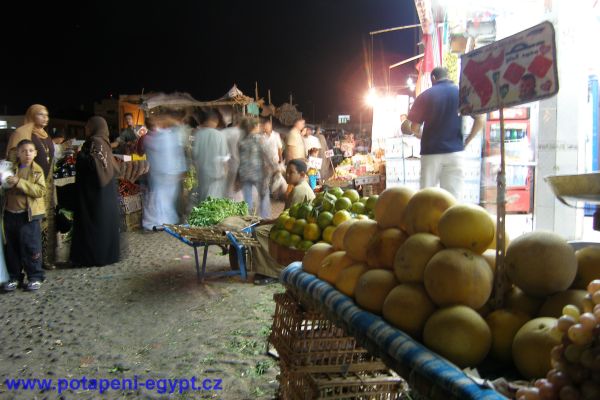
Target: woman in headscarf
36 119
96 220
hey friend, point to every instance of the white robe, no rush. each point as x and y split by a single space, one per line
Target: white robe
210 158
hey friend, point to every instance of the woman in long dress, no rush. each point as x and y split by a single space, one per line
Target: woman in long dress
96 220
36 119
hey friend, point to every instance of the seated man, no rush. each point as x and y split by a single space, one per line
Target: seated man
266 270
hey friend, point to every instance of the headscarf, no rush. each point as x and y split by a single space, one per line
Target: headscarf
26 130
100 150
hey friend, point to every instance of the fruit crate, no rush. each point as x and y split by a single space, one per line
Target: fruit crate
381 385
284 255
131 203
131 222
307 341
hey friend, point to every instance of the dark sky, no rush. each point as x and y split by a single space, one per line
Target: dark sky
66 55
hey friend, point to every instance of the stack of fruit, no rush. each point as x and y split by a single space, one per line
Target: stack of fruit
305 224
576 360
427 265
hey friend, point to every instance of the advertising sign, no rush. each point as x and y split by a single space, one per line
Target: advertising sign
518 69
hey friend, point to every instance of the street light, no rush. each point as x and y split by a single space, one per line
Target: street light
371 97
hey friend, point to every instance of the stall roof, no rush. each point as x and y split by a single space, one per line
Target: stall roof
180 100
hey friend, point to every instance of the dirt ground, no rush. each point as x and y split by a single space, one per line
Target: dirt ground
146 316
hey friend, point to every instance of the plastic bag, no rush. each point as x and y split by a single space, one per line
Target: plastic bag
6 171
278 185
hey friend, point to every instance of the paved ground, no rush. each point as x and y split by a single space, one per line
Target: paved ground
146 316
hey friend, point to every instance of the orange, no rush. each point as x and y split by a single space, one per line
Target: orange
341 216
328 233
325 219
298 227
343 203
312 232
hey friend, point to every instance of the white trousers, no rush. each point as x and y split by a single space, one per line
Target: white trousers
445 170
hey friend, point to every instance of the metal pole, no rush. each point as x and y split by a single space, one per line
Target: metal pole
399 28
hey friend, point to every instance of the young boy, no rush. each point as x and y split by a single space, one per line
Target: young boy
23 209
295 175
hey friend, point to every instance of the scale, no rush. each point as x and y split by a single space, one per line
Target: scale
573 188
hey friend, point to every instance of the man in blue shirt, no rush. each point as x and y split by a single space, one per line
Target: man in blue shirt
436 110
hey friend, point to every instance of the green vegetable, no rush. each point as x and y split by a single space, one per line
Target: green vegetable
190 181
212 211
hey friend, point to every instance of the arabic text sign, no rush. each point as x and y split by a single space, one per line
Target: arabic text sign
516 70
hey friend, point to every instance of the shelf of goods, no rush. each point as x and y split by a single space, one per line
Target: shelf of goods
429 375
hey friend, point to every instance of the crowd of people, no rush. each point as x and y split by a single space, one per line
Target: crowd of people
238 159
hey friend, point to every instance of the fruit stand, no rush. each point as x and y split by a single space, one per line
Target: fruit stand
428 373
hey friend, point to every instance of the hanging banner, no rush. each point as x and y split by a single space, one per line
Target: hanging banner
522 67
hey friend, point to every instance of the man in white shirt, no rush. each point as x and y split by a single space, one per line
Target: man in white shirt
274 143
310 140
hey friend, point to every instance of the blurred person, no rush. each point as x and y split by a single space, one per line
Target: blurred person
294 143
326 170
273 142
310 141
22 212
210 158
167 165
96 239
256 166
232 135
36 120
442 147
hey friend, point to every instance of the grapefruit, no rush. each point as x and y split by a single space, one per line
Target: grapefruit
532 345
424 210
504 325
337 238
408 307
588 266
490 257
459 334
332 265
348 278
314 257
357 237
458 276
541 263
414 254
517 300
389 207
466 226
382 248
554 304
373 287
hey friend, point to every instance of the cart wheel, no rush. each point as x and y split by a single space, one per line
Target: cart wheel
233 260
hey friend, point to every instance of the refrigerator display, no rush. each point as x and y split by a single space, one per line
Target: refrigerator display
519 159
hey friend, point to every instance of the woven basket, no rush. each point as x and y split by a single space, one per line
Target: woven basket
284 255
379 385
307 341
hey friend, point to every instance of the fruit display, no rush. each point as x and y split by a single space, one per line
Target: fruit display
304 224
357 165
575 357
426 264
65 167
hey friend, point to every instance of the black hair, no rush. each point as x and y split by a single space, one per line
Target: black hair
24 142
439 73
126 114
300 165
57 134
211 115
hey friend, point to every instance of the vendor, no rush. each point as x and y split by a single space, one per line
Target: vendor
266 270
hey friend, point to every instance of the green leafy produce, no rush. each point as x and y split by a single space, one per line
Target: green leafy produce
190 181
212 211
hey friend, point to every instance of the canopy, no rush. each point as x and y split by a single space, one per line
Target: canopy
180 100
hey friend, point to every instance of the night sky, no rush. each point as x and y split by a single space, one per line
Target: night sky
65 56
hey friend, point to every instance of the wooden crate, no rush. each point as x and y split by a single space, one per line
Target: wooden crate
373 385
132 221
284 255
306 341
130 204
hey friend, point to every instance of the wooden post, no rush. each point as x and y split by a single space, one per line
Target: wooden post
137 118
269 95
255 91
500 279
